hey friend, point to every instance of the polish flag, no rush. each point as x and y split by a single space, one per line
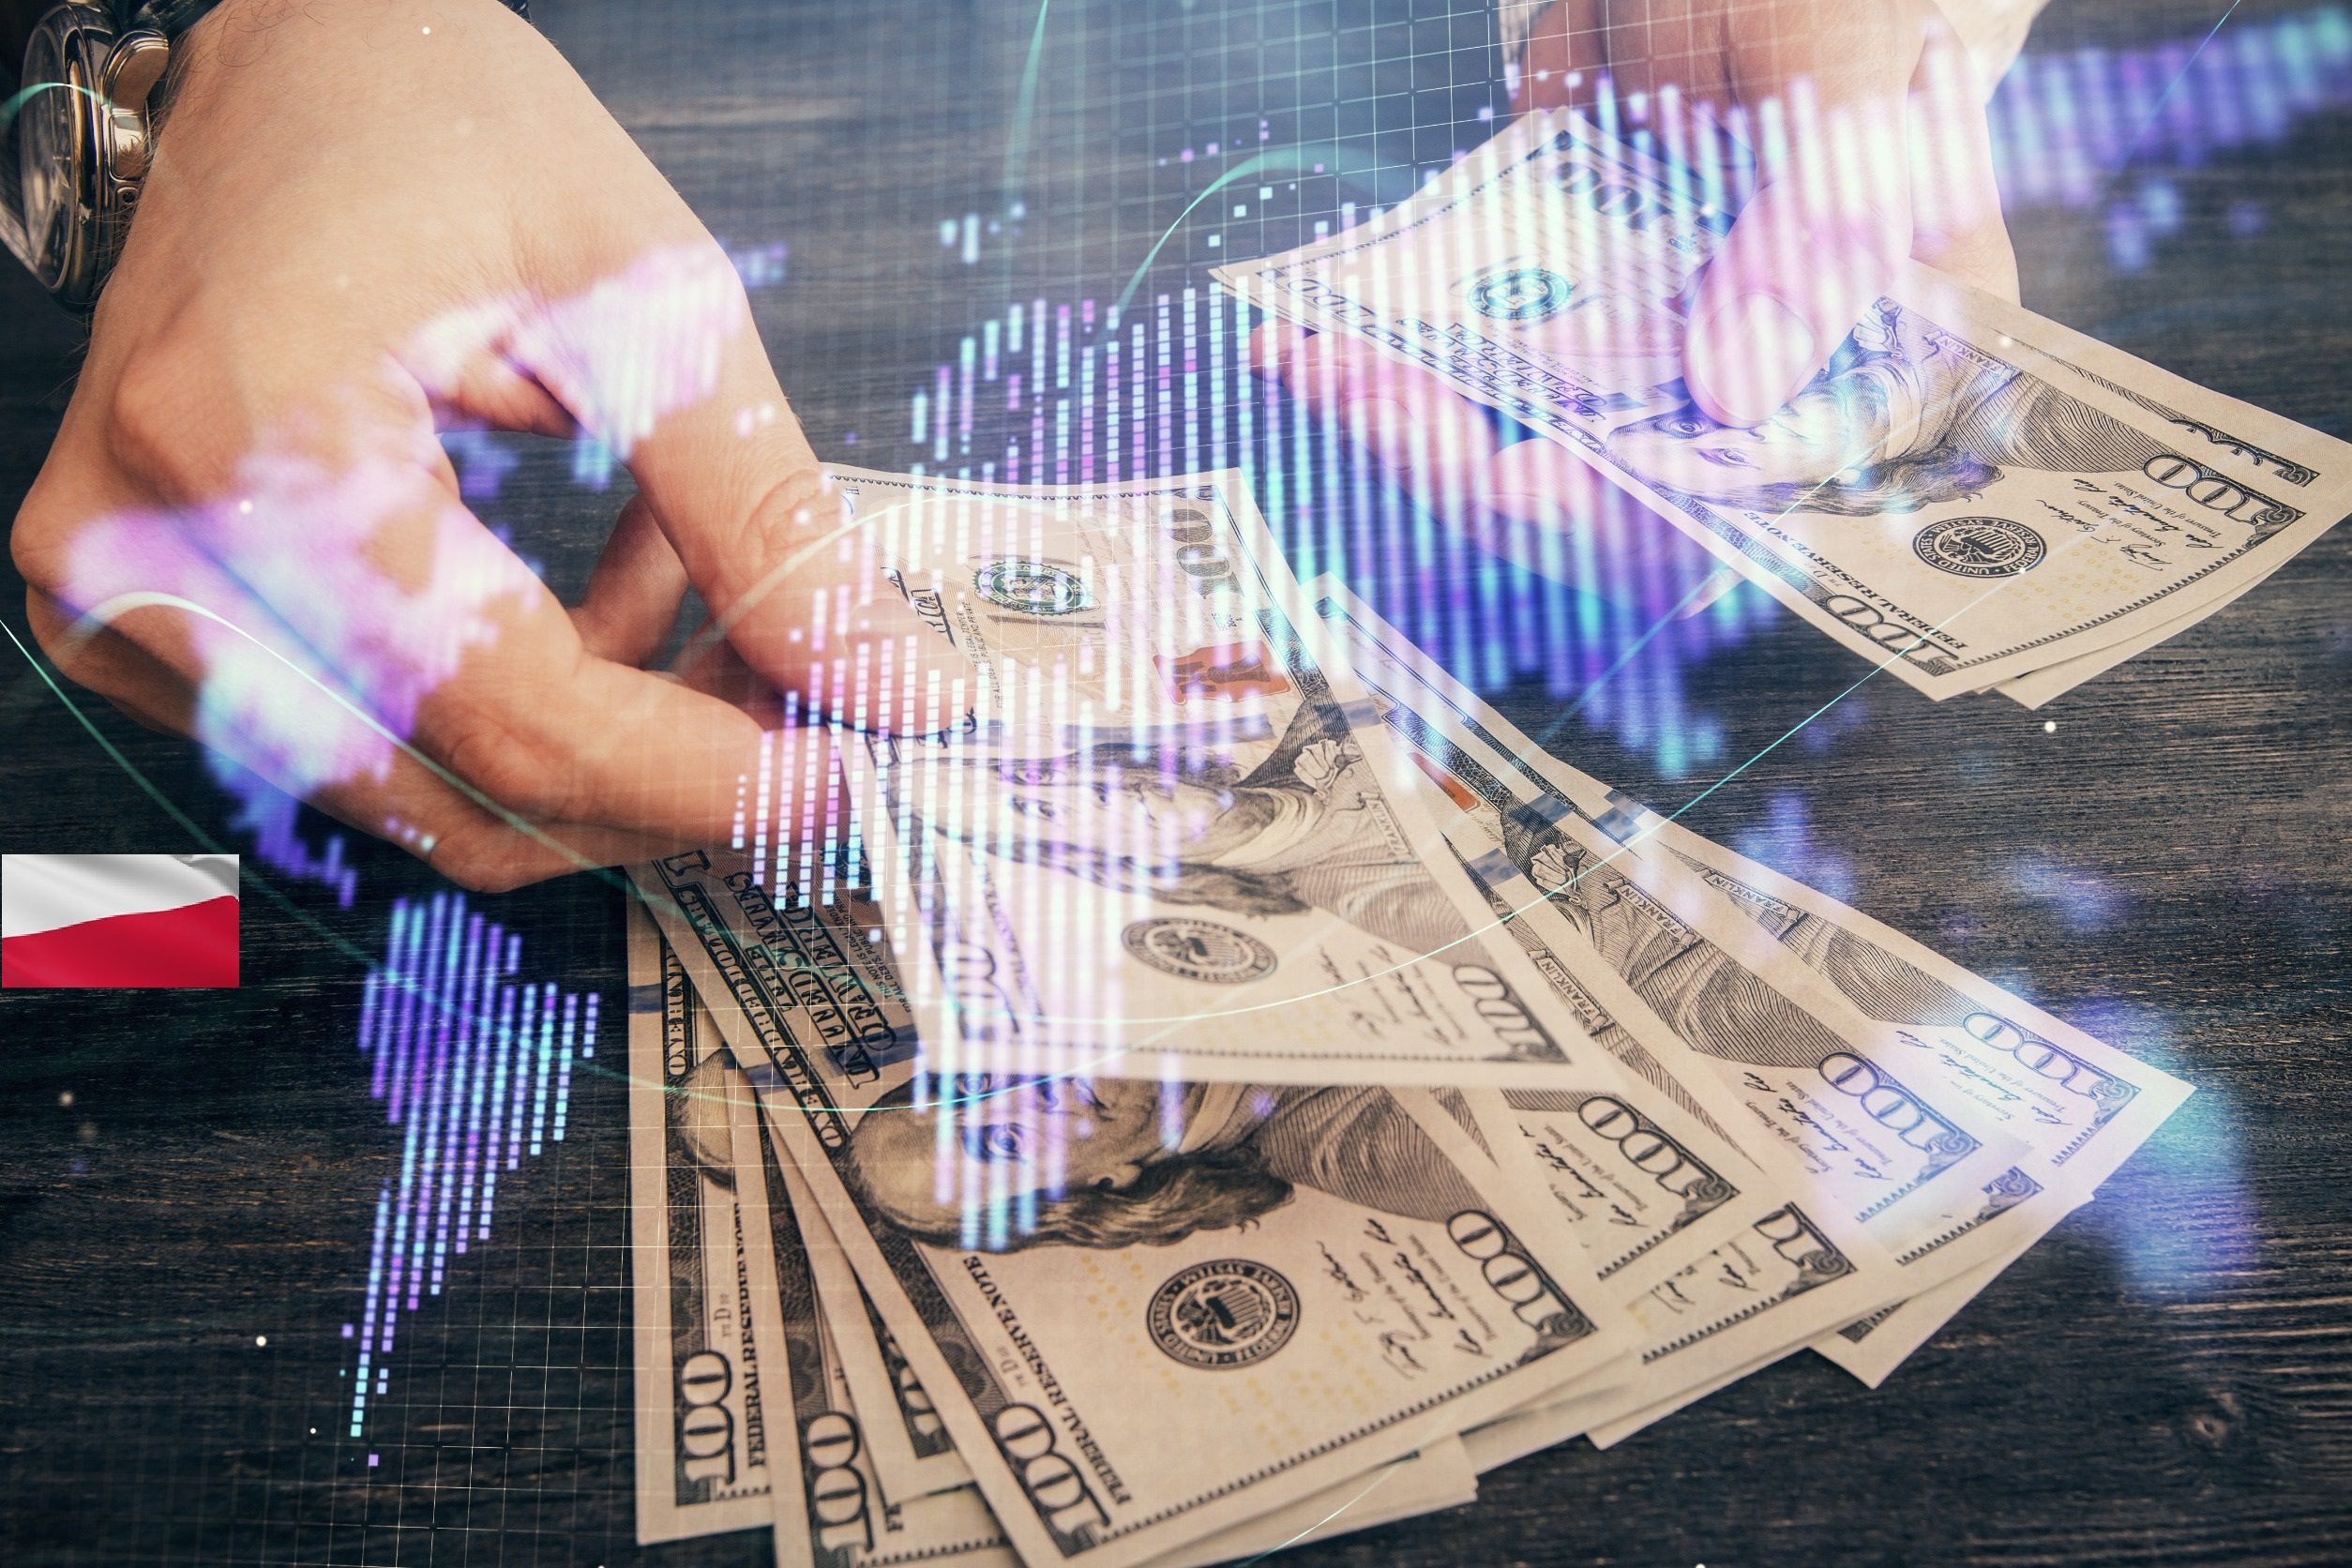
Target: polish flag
118 920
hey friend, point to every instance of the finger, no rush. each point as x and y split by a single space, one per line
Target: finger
670 372
1547 62
1663 64
469 364
142 691
524 712
1533 501
1957 204
552 733
346 601
633 594
404 800
1272 342
1543 482
461 833
710 665
1829 223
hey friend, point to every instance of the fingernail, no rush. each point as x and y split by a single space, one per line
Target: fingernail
1749 359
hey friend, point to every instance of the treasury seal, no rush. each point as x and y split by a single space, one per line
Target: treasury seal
1198 950
1522 293
1225 1314
1031 587
1980 546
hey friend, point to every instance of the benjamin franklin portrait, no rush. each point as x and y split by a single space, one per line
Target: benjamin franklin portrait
1127 1163
1308 827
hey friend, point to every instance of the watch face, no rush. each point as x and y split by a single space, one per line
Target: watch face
54 150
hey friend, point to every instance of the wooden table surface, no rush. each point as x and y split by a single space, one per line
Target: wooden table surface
2168 1377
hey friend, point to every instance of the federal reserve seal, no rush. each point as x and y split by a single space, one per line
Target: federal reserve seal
1522 293
1198 950
1980 546
1031 587
1221 1315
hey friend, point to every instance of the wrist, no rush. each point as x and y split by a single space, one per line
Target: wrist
379 38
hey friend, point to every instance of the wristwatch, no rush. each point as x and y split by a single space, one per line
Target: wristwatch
84 132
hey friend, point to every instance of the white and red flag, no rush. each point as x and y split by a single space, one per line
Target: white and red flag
118 920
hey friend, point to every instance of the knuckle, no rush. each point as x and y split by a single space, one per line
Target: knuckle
519 769
38 544
162 424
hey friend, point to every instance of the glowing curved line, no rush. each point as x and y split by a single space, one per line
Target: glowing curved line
24 96
2131 149
1024 110
96 619
1371 1486
1264 160
1287 158
101 616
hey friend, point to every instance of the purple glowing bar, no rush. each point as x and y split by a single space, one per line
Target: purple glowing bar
464 1055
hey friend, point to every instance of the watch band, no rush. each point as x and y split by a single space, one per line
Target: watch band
172 18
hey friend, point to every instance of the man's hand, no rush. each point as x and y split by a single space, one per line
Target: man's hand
1868 136
369 221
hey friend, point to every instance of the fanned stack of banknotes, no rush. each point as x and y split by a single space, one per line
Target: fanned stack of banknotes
1218 1084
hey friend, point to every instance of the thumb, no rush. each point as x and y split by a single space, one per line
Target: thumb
665 364
1831 220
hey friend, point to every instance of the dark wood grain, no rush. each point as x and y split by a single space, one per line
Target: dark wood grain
2167 1379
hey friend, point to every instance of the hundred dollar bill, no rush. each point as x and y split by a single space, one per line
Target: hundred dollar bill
847 1519
1162 847
703 1439
1731 1296
2054 681
2079 1106
1943 499
1631 1172
1137 1344
1712 1001
1661 1196
909 1442
2250 446
1638 1161
1705 1301
835 1511
2072 1107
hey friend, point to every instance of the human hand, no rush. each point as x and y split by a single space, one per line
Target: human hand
367 222
1882 153
1833 215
